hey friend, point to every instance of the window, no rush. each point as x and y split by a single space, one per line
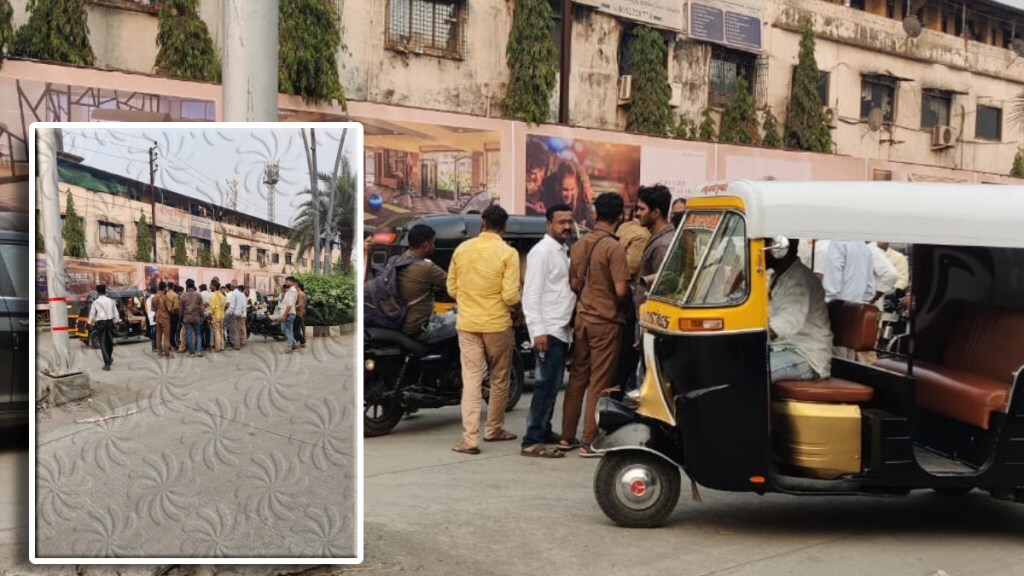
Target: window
726 66
431 27
303 263
261 256
14 257
202 246
288 259
243 253
275 258
63 221
823 78
556 27
708 264
935 106
111 233
197 110
990 123
878 92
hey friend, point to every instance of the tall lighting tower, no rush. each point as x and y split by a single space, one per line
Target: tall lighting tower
270 178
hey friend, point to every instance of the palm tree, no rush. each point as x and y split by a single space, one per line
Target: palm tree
343 222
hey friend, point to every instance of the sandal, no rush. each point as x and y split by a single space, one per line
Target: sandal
463 448
588 451
541 451
568 444
502 436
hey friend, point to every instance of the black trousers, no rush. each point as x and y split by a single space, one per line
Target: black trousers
175 330
629 356
105 336
298 329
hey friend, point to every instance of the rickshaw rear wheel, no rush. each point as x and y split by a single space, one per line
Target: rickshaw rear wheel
636 489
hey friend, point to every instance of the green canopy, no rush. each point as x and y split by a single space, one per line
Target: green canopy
70 174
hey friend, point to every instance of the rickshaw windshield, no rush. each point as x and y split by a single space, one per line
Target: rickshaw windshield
708 263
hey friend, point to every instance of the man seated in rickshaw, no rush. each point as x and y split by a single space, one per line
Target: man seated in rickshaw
134 314
798 323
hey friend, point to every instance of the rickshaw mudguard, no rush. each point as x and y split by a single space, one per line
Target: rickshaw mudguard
627 430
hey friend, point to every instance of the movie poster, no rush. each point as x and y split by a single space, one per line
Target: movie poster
156 274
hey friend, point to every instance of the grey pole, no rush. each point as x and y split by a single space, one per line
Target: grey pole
49 206
250 61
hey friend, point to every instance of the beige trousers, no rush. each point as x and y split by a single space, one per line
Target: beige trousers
217 329
478 351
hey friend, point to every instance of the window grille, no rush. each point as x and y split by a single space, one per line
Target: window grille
429 27
111 233
728 65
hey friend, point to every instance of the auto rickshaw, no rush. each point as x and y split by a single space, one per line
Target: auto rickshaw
129 330
943 410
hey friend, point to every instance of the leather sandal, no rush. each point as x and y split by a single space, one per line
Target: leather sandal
463 448
502 436
542 451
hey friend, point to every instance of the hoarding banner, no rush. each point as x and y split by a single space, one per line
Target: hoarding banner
200 227
734 23
659 13
172 219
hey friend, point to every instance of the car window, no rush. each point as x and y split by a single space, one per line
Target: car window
15 261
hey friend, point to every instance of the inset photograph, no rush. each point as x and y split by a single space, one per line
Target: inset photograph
195 303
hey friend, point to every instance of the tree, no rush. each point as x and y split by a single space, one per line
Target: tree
180 251
143 239
532 59
343 222
309 40
806 125
225 261
685 128
739 121
6 28
40 241
771 130
1018 165
706 131
74 235
205 258
57 31
186 48
650 111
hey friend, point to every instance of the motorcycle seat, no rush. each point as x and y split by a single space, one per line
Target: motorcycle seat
385 336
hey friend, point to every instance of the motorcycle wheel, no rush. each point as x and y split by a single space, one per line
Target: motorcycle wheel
280 337
380 413
516 382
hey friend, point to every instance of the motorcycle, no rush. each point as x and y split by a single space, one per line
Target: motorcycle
402 375
259 322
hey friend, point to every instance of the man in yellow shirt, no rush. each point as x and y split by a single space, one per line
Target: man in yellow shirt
483 278
217 304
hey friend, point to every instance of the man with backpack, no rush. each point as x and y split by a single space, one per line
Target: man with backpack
417 281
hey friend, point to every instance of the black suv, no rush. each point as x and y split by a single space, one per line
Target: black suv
15 284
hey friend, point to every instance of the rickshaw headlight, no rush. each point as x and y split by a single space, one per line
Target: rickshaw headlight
370 365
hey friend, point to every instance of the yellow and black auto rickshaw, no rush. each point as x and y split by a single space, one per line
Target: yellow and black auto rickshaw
132 326
943 410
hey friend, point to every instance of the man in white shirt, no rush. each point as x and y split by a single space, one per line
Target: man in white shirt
151 316
899 263
288 302
885 273
798 324
849 272
102 317
548 304
237 308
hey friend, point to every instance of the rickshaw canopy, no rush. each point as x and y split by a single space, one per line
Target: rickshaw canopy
909 212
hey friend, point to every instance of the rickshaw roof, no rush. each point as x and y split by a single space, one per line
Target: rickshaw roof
910 212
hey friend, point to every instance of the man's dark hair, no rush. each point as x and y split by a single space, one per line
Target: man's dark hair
170 285
291 279
609 207
152 289
561 207
678 200
215 285
202 287
656 197
178 289
537 155
101 289
240 287
190 284
301 285
162 286
420 234
495 218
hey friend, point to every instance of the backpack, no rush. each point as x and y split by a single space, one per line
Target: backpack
383 307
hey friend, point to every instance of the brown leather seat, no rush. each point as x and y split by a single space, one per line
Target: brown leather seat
984 348
827 390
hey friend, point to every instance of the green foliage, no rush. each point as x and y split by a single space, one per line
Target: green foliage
309 39
6 28
650 111
40 241
180 251
186 48
225 260
532 59
56 31
1018 165
143 239
205 258
770 126
330 298
685 128
739 121
806 125
74 235
706 131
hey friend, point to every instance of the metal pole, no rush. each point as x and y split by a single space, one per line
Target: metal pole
152 195
564 66
49 206
250 61
314 179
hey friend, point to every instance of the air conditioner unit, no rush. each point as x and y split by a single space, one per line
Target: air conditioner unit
831 116
677 95
625 89
942 137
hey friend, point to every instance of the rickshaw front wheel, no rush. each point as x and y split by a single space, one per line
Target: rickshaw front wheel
636 489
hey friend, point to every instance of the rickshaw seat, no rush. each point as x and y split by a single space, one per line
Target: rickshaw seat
854 325
835 390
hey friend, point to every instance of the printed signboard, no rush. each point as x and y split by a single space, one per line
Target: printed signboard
734 23
666 14
200 227
172 219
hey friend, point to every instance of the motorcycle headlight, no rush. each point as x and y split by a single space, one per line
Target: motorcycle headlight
370 365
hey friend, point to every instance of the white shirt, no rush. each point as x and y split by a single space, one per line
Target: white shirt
814 259
206 302
799 317
548 302
103 308
149 309
902 266
236 303
849 272
885 272
289 300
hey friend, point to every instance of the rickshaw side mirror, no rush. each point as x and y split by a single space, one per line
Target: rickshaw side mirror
779 247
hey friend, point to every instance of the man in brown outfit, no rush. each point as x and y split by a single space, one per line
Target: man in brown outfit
192 319
162 309
599 275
